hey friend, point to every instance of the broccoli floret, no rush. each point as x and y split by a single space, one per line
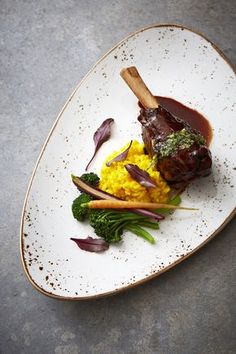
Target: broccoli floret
110 224
105 225
90 178
81 212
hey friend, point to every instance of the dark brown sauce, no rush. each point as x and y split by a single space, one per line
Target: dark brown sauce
193 117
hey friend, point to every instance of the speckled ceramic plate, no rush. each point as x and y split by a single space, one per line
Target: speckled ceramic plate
175 62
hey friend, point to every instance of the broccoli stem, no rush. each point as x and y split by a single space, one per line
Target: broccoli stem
124 215
139 231
150 224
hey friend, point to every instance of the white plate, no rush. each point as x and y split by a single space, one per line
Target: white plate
174 62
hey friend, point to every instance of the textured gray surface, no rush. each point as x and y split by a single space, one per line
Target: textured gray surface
46 47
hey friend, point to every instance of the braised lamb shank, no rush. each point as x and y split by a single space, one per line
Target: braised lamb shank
180 152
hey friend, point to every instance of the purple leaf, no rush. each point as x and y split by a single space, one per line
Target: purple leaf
121 157
141 176
101 135
90 244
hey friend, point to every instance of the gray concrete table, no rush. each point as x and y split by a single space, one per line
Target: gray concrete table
46 47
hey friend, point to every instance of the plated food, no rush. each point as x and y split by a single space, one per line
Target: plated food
173 152
53 263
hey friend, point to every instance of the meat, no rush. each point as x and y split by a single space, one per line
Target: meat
180 153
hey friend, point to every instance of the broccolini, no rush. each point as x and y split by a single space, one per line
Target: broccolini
108 223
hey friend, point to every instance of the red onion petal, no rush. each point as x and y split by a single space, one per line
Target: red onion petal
90 244
140 176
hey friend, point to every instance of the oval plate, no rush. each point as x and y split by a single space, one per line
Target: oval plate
175 62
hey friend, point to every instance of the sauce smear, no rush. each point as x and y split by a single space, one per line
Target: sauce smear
193 117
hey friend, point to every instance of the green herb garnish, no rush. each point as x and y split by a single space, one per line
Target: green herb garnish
182 139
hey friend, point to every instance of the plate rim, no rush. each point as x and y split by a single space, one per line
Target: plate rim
152 276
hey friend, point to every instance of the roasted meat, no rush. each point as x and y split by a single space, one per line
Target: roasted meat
180 153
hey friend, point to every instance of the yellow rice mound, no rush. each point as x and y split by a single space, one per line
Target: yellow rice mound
117 181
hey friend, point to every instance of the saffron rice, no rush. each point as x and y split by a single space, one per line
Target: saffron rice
117 181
